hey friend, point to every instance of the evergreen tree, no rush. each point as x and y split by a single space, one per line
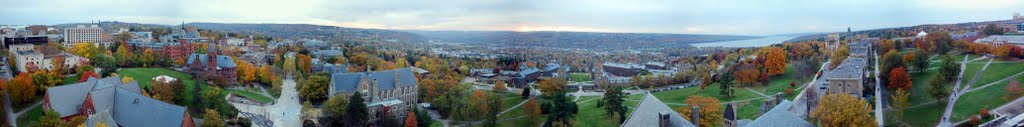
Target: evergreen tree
356 112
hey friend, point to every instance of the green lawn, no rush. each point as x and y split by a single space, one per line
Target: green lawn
70 80
251 95
145 75
928 114
30 116
580 77
592 116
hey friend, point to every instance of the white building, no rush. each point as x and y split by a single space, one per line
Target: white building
236 41
26 57
82 34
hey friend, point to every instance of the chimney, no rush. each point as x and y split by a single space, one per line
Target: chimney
695 115
778 98
663 119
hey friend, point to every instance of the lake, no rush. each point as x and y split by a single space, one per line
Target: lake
747 43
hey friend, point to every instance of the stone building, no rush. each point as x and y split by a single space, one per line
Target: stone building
848 78
389 92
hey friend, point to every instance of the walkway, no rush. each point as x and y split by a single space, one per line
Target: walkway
958 91
285 113
879 115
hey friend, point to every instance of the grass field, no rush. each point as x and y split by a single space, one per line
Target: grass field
928 111
30 116
580 77
592 116
251 95
145 75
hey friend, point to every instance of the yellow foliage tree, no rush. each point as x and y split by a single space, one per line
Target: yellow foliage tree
843 110
551 85
499 86
710 110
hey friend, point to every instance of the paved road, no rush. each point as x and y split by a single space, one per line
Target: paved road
285 113
879 115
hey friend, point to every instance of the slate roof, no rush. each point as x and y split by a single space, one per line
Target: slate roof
328 53
779 116
527 72
67 99
122 100
647 111
335 68
551 67
222 60
344 82
102 116
136 110
852 67
348 82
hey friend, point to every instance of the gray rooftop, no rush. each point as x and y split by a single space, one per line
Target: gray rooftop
852 67
67 99
1001 39
222 60
122 100
136 110
780 116
647 111
386 80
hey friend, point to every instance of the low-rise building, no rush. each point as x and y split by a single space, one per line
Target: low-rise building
27 58
1002 39
848 78
391 91
114 102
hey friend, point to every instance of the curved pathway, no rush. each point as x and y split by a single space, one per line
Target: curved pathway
284 113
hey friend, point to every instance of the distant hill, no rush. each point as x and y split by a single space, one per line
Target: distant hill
575 39
298 31
910 31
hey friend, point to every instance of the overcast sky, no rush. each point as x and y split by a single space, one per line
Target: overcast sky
732 17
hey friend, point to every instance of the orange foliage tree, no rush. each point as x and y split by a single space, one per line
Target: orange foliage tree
898 78
710 110
775 62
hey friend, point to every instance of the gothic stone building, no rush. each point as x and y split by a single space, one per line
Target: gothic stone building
212 65
389 92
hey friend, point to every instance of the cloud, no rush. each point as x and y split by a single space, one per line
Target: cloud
734 17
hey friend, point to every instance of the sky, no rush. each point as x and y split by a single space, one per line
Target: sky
726 17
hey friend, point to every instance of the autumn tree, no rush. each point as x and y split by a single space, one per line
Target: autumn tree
84 49
51 118
164 90
710 110
123 56
843 110
410 120
552 85
333 110
1013 90
499 86
21 88
86 75
900 101
46 79
775 62
532 109
304 63
838 56
1003 50
890 60
745 74
314 88
898 78
212 119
